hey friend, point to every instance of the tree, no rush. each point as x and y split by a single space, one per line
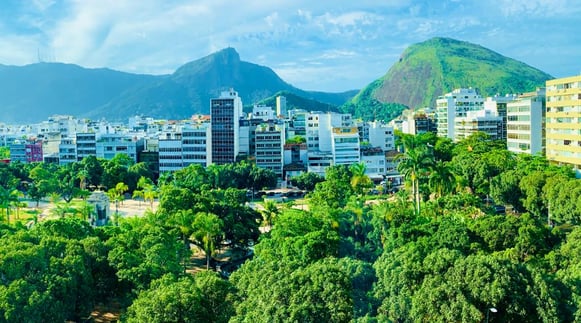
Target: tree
207 229
359 180
413 165
8 196
307 181
202 298
441 179
269 212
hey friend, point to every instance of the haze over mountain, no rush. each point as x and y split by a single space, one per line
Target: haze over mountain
428 69
36 91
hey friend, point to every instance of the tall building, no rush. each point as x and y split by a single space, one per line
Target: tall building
225 113
563 121
281 106
455 104
525 123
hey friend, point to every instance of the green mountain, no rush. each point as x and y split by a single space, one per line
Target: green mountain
189 89
294 101
429 69
32 93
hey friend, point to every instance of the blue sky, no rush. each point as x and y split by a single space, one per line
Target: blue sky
316 45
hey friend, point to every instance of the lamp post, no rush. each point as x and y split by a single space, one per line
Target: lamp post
493 310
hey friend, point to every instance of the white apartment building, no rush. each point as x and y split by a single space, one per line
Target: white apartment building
109 145
67 151
269 142
525 123
86 145
345 145
486 121
189 144
498 104
263 112
455 104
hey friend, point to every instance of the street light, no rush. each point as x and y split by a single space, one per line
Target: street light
493 310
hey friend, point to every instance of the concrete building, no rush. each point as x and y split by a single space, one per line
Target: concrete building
455 104
281 106
225 113
67 151
486 121
26 151
86 145
345 145
525 123
269 143
109 145
563 121
498 104
185 146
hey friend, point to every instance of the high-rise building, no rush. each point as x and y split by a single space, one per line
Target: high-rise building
563 121
498 103
455 104
281 106
525 123
486 121
225 113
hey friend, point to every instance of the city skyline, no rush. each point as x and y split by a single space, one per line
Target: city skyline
314 46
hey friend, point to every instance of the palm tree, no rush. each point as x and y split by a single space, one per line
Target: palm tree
441 180
359 180
121 188
270 212
8 196
82 175
413 165
207 229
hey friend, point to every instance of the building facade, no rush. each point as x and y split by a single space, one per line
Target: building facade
526 123
563 121
455 104
225 113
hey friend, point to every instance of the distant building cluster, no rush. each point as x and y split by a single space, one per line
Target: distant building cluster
291 141
288 142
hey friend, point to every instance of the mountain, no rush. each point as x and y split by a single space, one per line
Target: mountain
32 93
296 101
428 69
189 89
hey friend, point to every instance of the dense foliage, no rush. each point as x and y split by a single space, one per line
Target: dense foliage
439 250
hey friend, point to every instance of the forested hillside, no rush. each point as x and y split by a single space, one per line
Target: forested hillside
477 234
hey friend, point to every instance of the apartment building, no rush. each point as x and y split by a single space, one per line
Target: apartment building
269 147
67 151
26 151
498 103
455 104
185 146
563 121
487 121
86 145
525 123
109 145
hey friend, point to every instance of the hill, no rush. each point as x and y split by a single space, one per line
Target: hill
37 91
34 92
439 65
189 89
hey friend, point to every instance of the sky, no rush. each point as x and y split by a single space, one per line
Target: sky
319 45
